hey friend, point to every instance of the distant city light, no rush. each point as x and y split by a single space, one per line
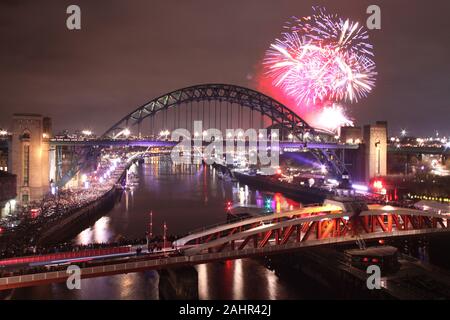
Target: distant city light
378 184
126 132
3 132
403 132
86 132
360 187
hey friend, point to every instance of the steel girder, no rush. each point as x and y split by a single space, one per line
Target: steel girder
252 99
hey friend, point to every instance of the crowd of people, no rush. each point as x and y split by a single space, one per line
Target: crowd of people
154 244
20 231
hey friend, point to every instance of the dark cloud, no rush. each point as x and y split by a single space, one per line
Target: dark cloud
131 51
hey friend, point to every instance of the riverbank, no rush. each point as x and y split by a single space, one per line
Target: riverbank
70 226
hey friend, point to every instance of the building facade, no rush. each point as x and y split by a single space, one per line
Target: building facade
29 155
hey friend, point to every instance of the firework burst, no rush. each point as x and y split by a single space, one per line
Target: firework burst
322 58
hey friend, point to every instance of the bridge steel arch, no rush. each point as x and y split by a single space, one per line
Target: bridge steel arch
280 115
256 101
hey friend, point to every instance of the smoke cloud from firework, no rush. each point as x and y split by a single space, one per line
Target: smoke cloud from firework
319 61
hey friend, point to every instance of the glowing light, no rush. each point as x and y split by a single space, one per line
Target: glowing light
360 187
86 132
332 118
3 132
126 132
321 58
403 133
378 184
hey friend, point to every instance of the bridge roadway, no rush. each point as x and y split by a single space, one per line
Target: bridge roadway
419 150
283 144
159 143
259 236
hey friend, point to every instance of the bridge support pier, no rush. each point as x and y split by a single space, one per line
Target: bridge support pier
178 284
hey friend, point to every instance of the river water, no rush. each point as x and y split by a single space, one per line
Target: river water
186 198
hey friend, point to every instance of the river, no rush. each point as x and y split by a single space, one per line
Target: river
185 198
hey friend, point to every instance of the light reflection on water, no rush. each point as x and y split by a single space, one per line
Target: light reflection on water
98 233
186 197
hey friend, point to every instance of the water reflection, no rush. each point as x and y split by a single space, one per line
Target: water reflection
182 195
242 279
98 233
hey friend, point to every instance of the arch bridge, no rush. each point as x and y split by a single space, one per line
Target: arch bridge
220 106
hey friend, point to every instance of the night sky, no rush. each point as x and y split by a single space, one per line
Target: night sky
129 52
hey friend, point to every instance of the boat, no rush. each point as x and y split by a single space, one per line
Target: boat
301 193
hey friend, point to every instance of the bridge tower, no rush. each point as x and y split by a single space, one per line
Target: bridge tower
29 156
375 140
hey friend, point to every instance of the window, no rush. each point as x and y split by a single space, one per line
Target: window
25 198
26 165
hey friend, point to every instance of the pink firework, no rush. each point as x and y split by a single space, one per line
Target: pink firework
322 58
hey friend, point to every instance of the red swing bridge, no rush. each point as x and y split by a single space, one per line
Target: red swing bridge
337 221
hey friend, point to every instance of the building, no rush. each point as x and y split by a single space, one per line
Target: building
352 135
29 155
375 141
370 159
